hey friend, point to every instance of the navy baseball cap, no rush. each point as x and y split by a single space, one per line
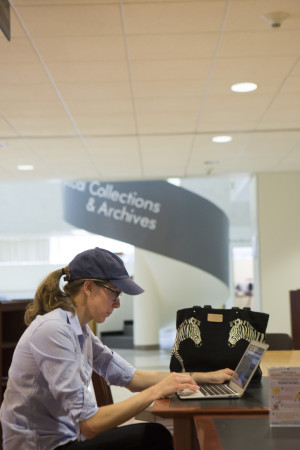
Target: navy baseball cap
101 264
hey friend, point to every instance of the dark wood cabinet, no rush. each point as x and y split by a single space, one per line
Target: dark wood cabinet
295 318
12 326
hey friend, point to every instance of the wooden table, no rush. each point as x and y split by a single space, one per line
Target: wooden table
254 403
280 358
247 433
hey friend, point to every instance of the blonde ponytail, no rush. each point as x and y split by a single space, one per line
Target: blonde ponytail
48 297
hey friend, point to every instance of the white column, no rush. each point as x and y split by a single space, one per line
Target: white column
256 300
279 245
146 310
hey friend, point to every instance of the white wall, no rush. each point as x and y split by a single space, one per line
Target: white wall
233 195
170 285
21 281
33 209
279 245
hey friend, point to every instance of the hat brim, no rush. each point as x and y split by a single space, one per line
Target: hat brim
127 286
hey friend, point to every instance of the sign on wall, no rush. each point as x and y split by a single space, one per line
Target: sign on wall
155 216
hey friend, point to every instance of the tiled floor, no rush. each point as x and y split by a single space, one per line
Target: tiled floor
157 360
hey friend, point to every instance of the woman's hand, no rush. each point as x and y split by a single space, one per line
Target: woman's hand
175 382
219 376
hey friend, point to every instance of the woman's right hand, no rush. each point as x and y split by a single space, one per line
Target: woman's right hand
175 382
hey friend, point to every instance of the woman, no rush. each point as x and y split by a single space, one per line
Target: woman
47 403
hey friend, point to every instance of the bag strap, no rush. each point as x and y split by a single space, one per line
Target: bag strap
247 308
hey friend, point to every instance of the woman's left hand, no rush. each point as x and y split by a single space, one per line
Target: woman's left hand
219 376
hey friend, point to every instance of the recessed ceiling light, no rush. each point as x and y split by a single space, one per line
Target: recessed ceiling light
222 139
244 87
25 167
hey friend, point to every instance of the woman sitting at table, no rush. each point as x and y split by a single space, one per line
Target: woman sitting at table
47 404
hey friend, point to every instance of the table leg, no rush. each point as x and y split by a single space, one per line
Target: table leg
184 434
206 433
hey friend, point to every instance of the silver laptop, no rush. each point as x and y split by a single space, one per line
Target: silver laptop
239 381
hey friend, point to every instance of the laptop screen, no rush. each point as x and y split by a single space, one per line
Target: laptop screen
247 365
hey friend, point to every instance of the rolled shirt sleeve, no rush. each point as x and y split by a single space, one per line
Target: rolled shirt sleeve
110 365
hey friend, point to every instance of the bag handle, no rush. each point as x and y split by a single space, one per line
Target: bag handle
247 308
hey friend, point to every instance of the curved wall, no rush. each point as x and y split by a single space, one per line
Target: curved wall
155 216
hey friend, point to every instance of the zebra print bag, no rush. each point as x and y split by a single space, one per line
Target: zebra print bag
210 339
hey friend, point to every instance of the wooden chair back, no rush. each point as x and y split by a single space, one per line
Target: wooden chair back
279 341
102 390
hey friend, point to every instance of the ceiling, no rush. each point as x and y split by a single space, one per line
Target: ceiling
133 90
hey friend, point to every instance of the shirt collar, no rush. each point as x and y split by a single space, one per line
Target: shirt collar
75 324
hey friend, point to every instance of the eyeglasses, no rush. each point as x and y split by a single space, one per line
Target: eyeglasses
100 283
115 291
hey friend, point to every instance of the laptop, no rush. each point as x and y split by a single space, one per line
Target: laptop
239 381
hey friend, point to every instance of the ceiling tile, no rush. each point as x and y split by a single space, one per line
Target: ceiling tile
123 145
175 122
170 70
268 43
95 91
89 72
42 126
106 124
16 51
170 47
190 104
68 19
6 130
81 49
95 106
176 17
22 73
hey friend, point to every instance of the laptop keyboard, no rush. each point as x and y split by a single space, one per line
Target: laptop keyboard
216 389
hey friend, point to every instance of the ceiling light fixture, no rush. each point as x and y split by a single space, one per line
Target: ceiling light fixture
275 18
25 167
222 139
244 87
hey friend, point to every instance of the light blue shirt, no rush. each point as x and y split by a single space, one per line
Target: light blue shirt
48 393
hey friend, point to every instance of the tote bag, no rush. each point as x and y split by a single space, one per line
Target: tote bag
210 339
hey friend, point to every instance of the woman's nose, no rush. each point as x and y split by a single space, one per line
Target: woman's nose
116 304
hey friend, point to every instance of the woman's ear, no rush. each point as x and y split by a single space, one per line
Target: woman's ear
88 286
